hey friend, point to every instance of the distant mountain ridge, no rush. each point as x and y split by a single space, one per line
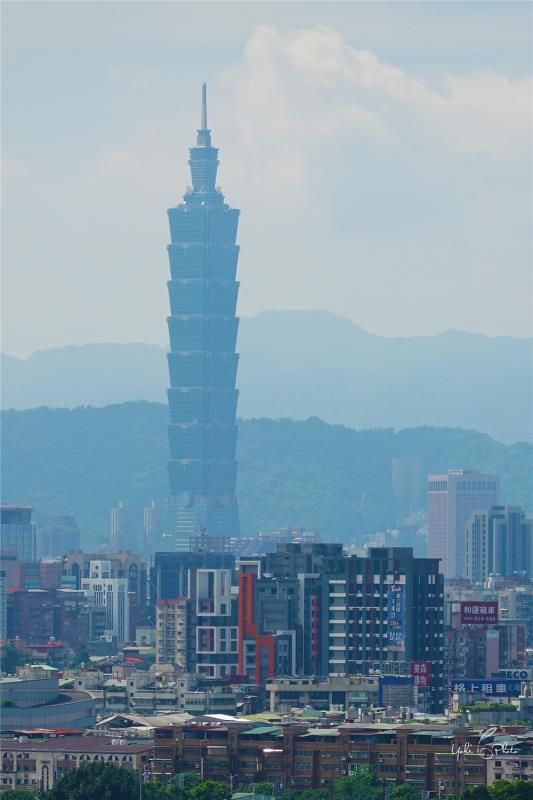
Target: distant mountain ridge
311 363
324 477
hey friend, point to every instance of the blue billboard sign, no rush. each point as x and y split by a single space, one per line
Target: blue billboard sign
396 617
497 688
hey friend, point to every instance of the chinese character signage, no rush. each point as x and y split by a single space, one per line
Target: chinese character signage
421 672
476 612
497 688
396 618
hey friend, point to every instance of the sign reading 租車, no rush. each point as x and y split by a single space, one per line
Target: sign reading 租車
477 612
421 672
492 688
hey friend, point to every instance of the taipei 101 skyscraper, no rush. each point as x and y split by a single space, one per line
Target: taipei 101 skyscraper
202 360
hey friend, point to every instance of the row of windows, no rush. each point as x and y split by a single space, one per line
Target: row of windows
463 486
438 486
476 486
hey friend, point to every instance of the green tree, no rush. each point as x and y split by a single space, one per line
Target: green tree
96 781
81 657
405 792
476 793
17 794
362 785
517 790
187 780
160 791
210 790
261 787
10 659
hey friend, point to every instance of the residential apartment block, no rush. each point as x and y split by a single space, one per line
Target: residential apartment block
302 756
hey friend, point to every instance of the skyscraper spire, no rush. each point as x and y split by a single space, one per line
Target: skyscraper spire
202 361
203 138
203 125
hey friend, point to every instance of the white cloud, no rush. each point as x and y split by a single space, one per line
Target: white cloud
311 84
398 200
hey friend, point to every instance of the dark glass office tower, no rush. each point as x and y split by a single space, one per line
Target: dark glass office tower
202 360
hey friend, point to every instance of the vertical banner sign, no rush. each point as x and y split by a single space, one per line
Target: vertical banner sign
421 672
396 617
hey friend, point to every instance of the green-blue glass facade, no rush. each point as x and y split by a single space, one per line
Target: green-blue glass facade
202 360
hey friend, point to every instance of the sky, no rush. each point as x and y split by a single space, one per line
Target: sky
380 153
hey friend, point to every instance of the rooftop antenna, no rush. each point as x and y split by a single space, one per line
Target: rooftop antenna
203 124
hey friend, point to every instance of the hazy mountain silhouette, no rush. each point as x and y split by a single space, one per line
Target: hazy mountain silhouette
312 363
325 477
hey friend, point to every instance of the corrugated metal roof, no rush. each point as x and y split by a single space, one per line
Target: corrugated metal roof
261 730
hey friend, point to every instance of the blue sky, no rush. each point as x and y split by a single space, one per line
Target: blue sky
380 154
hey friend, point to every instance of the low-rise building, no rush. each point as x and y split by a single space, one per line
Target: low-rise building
358 691
30 702
511 757
302 756
37 765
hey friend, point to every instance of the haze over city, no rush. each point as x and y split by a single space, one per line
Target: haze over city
380 153
266 518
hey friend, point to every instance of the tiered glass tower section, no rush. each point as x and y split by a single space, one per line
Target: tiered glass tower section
202 359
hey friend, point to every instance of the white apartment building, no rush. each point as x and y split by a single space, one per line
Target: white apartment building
103 591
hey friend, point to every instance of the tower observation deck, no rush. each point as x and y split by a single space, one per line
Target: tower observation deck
202 360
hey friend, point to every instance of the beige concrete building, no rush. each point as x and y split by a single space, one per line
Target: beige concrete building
36 765
171 632
342 690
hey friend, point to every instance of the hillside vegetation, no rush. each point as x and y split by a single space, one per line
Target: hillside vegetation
300 364
325 477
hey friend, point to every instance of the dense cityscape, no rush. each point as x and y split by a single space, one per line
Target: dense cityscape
187 657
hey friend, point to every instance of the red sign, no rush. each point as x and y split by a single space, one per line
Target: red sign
478 612
421 672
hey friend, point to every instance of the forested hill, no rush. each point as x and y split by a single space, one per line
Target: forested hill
324 477
300 364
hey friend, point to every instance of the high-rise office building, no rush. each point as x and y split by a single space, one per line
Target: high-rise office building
3 606
60 535
202 360
452 498
123 534
171 571
314 610
386 613
283 599
154 527
110 594
499 541
198 630
17 532
214 620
